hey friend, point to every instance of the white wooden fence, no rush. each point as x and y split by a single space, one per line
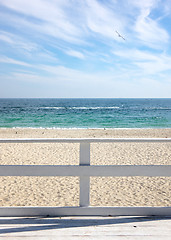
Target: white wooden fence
84 170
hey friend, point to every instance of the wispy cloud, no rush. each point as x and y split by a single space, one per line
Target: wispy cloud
74 53
7 60
148 29
89 19
150 33
56 19
75 42
150 63
17 42
106 85
101 20
47 17
5 38
25 49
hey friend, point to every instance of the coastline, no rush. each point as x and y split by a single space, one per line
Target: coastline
64 191
81 132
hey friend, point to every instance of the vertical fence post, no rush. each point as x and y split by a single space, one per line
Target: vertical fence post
84 180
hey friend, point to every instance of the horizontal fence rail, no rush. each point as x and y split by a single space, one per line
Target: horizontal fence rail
94 171
83 140
84 170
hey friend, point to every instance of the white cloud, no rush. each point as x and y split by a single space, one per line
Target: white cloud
28 50
85 29
48 17
103 20
17 42
5 38
136 55
145 4
67 82
167 7
148 62
150 33
147 29
70 22
75 23
75 54
7 60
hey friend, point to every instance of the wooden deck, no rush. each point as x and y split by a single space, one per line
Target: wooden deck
75 228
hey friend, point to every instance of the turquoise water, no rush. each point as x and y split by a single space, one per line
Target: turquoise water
85 113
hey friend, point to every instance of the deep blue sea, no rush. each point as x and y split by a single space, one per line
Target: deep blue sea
85 113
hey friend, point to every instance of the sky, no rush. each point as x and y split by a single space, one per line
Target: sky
71 49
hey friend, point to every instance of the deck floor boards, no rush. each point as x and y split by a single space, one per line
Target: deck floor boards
76 228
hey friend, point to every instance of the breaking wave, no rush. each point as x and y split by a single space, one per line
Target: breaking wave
80 108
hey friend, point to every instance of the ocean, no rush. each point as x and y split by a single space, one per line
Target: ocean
85 113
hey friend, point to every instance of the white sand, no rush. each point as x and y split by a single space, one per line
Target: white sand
64 191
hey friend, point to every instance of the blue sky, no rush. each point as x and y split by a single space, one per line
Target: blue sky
70 48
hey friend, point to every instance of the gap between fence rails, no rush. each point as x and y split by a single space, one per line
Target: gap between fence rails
86 171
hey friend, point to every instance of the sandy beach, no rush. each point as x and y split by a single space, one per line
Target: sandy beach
106 191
